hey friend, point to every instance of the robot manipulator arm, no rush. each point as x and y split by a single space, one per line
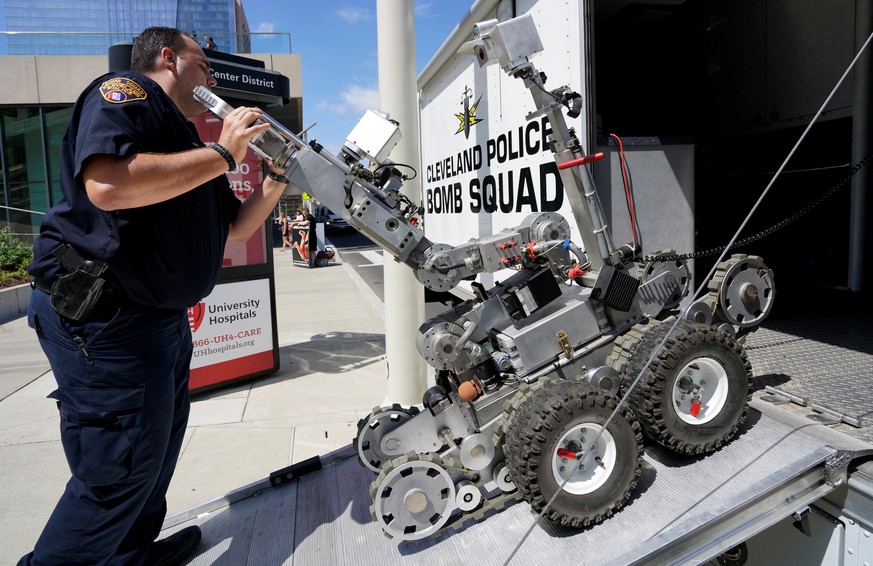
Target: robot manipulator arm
366 197
369 200
540 238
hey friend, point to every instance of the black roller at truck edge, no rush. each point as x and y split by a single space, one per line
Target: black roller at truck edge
295 471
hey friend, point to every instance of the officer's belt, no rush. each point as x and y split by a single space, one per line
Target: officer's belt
42 284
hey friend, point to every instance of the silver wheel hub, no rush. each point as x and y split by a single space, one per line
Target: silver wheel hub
700 391
580 464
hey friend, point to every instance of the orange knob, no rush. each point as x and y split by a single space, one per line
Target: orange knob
469 390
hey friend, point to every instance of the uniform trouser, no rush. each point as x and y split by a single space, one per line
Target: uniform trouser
123 402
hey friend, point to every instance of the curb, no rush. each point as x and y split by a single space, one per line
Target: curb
13 302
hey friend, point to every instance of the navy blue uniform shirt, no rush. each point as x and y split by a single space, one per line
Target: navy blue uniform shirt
165 255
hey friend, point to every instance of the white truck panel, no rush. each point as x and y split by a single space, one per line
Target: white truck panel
490 177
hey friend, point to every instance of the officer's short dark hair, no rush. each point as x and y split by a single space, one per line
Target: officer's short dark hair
147 46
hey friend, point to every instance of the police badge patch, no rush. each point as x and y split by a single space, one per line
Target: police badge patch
120 89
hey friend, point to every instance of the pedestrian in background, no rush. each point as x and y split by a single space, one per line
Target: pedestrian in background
305 218
138 238
286 229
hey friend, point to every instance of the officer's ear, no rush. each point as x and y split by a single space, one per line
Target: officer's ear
167 59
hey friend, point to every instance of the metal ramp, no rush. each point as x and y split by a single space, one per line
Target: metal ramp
684 509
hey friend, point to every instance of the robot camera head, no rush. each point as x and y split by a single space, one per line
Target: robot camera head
510 43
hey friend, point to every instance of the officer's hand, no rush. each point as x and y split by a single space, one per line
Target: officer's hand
238 128
273 168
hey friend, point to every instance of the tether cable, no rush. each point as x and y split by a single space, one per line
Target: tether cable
623 401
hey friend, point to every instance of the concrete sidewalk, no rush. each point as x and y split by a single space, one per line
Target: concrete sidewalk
332 373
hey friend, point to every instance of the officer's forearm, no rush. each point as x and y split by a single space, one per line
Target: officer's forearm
116 183
255 210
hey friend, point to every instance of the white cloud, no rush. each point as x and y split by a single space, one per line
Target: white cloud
354 15
355 99
360 98
329 107
424 10
266 27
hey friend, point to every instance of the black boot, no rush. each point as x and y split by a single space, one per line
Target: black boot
175 550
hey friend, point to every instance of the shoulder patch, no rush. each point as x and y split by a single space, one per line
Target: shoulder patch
121 89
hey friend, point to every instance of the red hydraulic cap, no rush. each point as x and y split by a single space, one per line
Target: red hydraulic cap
695 408
575 272
530 250
582 160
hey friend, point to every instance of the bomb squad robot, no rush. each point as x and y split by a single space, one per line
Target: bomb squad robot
547 382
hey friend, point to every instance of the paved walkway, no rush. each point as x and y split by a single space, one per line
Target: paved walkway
332 373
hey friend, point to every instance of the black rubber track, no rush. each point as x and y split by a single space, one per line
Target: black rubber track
651 398
531 440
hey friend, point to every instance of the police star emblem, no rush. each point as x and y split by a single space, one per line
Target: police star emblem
468 117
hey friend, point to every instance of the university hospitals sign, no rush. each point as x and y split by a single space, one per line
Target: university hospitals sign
232 332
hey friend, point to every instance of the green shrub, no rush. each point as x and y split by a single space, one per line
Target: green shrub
14 257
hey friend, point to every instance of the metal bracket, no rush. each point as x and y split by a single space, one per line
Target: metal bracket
836 468
564 343
801 521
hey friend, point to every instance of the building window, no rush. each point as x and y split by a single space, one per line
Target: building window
30 145
56 121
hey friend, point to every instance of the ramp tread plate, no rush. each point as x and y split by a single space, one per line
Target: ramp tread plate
331 522
827 360
276 518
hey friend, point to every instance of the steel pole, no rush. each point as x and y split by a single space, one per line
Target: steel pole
862 145
404 295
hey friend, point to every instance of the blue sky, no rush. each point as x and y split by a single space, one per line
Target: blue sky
336 40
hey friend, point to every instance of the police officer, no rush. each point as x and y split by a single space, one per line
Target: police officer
138 237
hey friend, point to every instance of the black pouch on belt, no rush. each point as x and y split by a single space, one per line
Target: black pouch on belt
76 294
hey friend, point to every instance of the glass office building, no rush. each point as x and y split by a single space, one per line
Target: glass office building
31 129
89 27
